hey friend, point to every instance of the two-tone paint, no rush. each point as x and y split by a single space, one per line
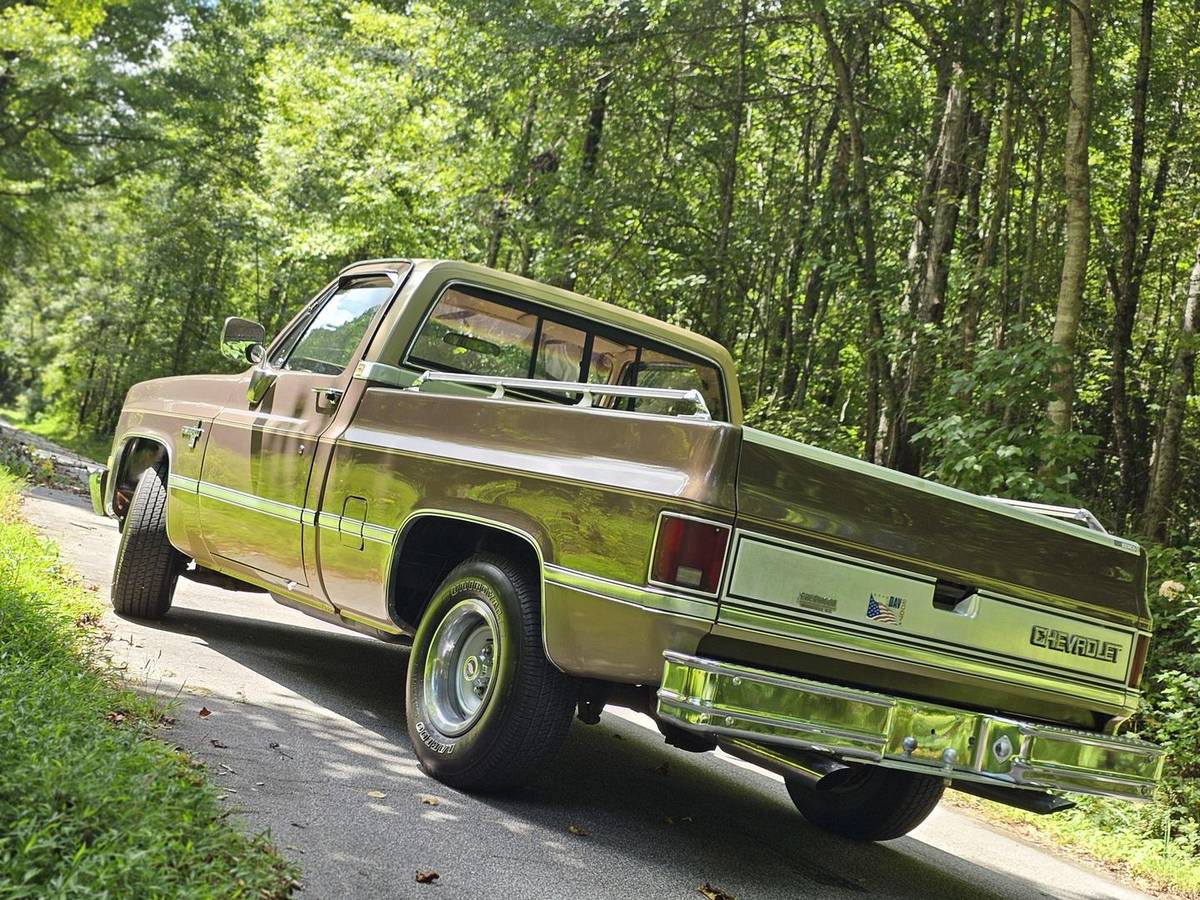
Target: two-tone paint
318 487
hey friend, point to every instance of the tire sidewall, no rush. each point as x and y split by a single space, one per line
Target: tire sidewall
443 755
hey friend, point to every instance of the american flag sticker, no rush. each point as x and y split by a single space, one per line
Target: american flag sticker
886 610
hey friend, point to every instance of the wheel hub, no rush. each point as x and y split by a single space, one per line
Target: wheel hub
458 669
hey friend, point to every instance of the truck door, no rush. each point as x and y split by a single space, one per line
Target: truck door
261 447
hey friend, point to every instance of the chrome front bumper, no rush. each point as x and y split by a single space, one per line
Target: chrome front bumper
97 481
775 710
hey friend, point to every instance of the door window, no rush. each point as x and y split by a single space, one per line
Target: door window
328 342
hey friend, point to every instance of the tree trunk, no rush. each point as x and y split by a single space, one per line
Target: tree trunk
589 159
1033 229
1156 512
927 301
878 374
737 113
796 336
1128 287
982 283
1078 230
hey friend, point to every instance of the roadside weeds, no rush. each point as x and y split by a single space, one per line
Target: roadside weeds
1149 866
92 801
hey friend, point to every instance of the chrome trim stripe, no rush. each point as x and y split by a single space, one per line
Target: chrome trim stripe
845 644
645 597
183 483
378 533
311 517
370 623
779 621
275 508
329 521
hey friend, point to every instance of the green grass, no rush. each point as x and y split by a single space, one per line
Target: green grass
56 428
91 803
1109 833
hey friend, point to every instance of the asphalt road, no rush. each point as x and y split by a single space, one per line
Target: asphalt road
305 734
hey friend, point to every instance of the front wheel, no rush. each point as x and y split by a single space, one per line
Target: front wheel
486 709
147 566
868 803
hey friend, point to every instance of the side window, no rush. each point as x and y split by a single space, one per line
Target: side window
619 362
331 337
474 334
661 370
560 352
609 360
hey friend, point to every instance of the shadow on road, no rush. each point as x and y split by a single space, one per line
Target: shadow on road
645 806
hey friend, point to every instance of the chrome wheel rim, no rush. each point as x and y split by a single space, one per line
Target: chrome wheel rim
460 667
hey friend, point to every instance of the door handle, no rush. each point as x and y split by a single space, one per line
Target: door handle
329 394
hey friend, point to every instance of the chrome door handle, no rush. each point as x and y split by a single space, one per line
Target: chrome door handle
328 394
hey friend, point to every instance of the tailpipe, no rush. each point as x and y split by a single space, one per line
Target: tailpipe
814 770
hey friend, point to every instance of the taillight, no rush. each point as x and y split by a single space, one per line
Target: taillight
689 553
1141 647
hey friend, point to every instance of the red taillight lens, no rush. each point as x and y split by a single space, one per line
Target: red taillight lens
1140 648
689 553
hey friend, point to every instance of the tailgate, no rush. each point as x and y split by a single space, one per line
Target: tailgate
831 548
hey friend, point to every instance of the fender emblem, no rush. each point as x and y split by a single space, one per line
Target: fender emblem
191 434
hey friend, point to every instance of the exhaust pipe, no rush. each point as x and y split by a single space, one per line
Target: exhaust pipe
812 769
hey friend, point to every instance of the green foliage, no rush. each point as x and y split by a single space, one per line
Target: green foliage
972 429
164 165
91 803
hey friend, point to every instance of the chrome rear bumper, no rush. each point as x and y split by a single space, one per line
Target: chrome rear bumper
777 710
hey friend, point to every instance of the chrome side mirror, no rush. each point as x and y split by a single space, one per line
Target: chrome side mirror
243 340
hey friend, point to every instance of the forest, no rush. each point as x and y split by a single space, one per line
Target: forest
960 239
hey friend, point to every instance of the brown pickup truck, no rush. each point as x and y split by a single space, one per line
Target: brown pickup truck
556 502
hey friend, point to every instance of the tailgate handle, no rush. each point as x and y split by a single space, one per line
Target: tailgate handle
951 597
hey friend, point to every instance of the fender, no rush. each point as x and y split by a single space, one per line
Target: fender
416 515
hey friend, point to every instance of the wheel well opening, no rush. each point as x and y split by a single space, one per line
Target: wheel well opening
140 454
433 545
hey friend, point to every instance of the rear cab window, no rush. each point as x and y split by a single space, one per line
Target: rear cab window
474 331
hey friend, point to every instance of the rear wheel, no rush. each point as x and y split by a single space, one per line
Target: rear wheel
147 566
868 803
486 709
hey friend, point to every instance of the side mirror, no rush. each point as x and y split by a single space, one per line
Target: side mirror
243 340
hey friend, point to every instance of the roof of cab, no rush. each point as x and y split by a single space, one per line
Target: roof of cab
580 305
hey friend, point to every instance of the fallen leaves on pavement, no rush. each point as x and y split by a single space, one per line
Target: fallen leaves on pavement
577 831
429 801
426 877
218 744
378 795
712 892
205 712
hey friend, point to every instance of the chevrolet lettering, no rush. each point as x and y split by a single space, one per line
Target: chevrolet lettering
556 503
1078 644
